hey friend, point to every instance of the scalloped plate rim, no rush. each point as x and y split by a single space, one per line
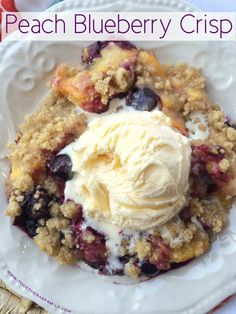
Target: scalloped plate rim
216 295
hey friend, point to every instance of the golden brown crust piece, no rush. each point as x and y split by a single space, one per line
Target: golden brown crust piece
54 125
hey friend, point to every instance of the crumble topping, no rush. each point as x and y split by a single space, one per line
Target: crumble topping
224 165
198 245
53 126
106 85
69 209
132 270
48 241
36 191
142 248
176 232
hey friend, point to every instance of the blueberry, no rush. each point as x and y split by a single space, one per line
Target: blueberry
27 225
34 207
39 198
31 226
125 258
118 272
60 167
95 265
107 271
149 269
229 123
143 99
94 50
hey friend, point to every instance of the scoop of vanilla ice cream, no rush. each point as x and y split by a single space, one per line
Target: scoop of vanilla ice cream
131 169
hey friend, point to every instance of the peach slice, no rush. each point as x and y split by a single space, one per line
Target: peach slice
149 61
114 73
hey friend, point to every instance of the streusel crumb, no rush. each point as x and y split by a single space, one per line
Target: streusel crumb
198 245
69 209
48 241
57 223
142 248
132 270
66 255
54 125
177 233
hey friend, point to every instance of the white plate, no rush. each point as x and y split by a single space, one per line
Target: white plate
195 288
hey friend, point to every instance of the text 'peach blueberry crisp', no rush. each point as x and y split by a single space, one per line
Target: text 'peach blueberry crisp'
128 165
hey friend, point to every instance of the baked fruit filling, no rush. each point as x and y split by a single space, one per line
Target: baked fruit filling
110 72
128 165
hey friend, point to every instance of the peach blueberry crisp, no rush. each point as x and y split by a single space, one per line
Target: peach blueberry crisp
128 165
